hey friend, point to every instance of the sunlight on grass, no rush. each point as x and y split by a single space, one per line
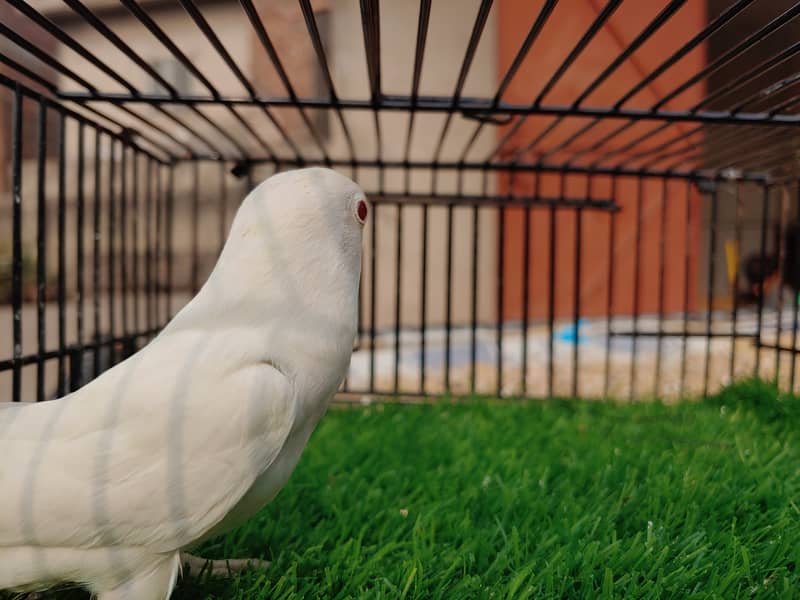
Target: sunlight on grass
539 500
561 499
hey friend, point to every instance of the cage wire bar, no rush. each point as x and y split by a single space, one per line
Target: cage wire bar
579 252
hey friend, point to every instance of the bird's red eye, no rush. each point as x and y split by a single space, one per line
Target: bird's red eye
361 211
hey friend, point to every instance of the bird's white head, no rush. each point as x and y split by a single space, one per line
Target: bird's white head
293 255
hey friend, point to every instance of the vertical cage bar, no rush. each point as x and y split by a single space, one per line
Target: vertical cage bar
223 206
123 226
796 310
577 299
636 290
526 283
62 267
448 297
136 210
780 255
712 249
372 295
112 213
500 296
96 252
473 341
149 228
16 259
196 223
551 293
41 246
762 257
662 251
161 215
398 295
612 231
737 234
168 209
687 257
424 302
80 250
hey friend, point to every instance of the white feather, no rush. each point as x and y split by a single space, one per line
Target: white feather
203 426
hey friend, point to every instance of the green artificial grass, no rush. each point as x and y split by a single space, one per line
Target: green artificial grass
563 499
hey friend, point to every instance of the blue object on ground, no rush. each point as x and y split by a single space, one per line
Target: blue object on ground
569 333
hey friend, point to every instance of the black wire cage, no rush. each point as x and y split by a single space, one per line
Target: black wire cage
569 198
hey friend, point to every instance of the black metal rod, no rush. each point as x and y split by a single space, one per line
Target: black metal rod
123 251
522 53
424 299
110 244
41 248
96 250
137 247
419 53
500 295
70 42
96 346
778 348
712 250
687 258
319 49
717 23
662 261
80 299
643 36
371 27
526 284
149 229
733 53
202 24
636 287
700 335
62 266
448 297
694 174
136 10
167 206
751 75
551 294
762 256
467 105
398 294
80 118
161 238
446 199
472 46
269 48
195 239
779 250
223 206
598 23
796 312
737 236
373 294
473 349
610 290
577 298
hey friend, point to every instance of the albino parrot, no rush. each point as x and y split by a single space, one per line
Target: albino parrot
108 486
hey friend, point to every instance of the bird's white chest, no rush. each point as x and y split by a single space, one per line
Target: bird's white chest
266 486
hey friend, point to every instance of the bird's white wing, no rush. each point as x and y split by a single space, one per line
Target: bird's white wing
153 453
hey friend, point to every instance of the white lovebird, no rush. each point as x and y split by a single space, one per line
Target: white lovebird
108 486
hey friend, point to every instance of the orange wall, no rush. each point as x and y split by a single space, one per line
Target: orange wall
572 18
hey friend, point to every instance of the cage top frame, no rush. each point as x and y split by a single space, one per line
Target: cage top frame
754 135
